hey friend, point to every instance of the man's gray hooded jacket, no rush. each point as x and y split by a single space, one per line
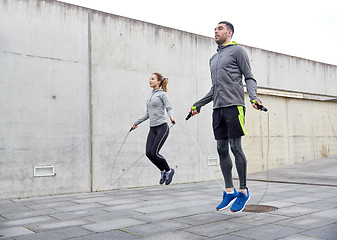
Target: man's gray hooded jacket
227 67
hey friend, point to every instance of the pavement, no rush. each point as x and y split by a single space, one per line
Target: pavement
302 197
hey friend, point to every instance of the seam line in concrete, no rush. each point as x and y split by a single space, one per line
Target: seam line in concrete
90 104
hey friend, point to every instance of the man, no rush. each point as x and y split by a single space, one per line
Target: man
227 93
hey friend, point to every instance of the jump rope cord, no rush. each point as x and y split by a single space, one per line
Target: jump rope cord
267 161
201 156
113 165
127 169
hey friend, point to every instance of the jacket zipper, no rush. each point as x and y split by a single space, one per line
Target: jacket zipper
217 71
152 95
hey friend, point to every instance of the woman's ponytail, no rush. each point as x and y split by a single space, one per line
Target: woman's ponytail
164 84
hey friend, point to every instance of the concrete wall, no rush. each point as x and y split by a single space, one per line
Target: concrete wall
44 98
73 81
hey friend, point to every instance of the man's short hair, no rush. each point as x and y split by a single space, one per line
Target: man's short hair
229 25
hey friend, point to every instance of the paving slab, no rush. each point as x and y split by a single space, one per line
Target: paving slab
25 221
294 211
267 232
162 216
175 235
227 237
203 218
259 219
29 213
78 207
155 228
106 216
110 235
217 228
65 233
299 237
328 232
112 224
14 231
307 222
53 225
78 214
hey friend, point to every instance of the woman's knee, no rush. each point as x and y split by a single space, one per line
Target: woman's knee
149 154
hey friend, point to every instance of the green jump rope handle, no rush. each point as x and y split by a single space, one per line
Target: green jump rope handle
260 107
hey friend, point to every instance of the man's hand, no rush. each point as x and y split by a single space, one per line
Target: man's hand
256 103
193 112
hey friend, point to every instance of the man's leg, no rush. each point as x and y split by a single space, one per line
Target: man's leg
225 162
226 165
240 161
241 166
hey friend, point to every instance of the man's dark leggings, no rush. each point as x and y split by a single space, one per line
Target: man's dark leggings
155 140
226 162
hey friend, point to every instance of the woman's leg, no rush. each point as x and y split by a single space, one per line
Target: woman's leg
156 139
162 134
149 143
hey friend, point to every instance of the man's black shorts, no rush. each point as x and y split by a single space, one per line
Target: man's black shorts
228 122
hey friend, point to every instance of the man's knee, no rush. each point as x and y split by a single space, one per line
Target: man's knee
235 145
222 147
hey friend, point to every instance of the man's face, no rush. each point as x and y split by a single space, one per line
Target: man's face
222 34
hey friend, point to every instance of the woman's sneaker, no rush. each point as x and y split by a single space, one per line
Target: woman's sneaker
169 176
162 177
228 199
240 202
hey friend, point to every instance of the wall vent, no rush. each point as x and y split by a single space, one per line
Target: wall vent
44 171
212 161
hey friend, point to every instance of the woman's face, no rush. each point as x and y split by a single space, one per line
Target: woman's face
154 83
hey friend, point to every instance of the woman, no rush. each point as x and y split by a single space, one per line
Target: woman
159 130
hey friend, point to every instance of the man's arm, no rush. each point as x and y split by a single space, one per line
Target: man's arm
202 102
205 100
251 84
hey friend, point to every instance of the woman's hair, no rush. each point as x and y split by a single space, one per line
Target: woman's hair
163 81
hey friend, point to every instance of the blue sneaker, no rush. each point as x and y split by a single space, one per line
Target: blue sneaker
227 201
240 202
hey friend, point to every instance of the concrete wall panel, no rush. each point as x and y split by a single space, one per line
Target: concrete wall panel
44 102
278 71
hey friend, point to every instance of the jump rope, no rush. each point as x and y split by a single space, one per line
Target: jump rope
260 107
135 162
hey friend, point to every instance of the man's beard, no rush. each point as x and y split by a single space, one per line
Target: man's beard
221 41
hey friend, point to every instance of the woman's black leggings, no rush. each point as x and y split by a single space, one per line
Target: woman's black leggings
226 162
155 140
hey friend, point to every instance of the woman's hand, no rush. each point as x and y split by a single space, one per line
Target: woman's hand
173 121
